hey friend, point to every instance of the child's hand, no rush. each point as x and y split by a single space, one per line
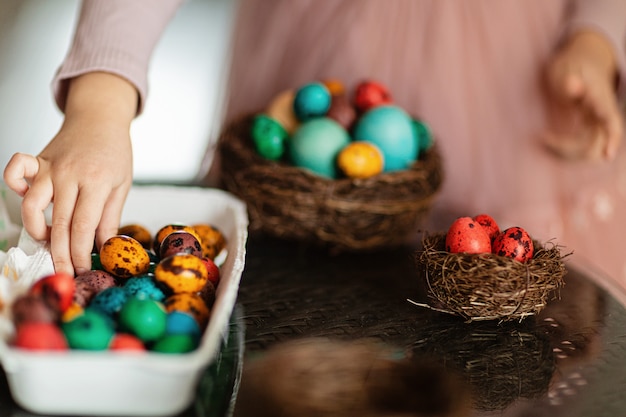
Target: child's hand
86 171
586 122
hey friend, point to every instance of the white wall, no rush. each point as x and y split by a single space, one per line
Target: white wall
186 78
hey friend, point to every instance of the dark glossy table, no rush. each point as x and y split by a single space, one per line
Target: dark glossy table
568 361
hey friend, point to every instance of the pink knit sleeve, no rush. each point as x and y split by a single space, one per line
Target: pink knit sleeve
116 36
609 18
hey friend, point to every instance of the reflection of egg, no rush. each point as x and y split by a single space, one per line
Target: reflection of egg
360 160
316 144
391 129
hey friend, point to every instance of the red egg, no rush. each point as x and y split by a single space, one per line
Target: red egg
467 236
40 336
212 269
126 341
370 94
57 290
490 225
515 243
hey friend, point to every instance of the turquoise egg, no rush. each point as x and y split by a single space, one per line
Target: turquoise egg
90 330
391 129
316 144
109 301
179 322
143 287
269 137
311 100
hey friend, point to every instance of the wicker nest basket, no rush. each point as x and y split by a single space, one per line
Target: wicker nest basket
501 362
342 214
487 286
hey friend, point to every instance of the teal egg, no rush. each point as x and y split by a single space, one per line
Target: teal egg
90 330
423 134
311 100
316 144
391 129
269 137
143 317
109 301
179 322
143 287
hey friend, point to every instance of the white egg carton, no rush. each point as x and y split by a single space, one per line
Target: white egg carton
131 384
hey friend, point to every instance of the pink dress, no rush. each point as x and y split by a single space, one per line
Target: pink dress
470 69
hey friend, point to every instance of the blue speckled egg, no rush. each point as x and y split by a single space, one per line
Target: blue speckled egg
316 144
391 129
311 100
109 301
143 287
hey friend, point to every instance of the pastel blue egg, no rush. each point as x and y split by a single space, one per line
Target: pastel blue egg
179 322
391 129
316 144
310 101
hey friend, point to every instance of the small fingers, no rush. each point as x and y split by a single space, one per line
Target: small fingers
18 172
35 202
111 216
62 212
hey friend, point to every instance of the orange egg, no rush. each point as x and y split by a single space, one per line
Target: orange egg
335 86
211 239
124 257
181 272
360 160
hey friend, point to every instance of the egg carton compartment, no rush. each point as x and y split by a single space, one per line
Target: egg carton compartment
77 382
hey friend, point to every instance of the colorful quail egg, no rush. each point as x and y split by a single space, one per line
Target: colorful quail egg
360 160
143 318
423 135
126 342
467 236
57 290
181 322
143 287
316 144
175 343
514 243
166 230
181 273
335 86
109 301
369 94
269 137
91 330
391 129
190 303
211 239
342 111
312 100
139 233
280 109
489 224
180 242
40 336
29 308
124 257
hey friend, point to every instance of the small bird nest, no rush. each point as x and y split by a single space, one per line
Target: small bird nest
343 214
500 361
488 286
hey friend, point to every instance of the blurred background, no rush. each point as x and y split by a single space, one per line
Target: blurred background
185 91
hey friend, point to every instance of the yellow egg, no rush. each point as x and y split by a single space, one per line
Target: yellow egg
181 273
280 109
360 160
211 239
190 303
124 257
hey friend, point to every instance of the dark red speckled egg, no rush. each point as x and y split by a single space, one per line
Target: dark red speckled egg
467 236
490 225
515 243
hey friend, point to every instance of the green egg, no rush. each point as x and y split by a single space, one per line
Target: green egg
90 330
95 262
175 343
143 317
423 134
269 137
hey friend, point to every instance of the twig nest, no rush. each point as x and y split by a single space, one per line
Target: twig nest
343 214
487 286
